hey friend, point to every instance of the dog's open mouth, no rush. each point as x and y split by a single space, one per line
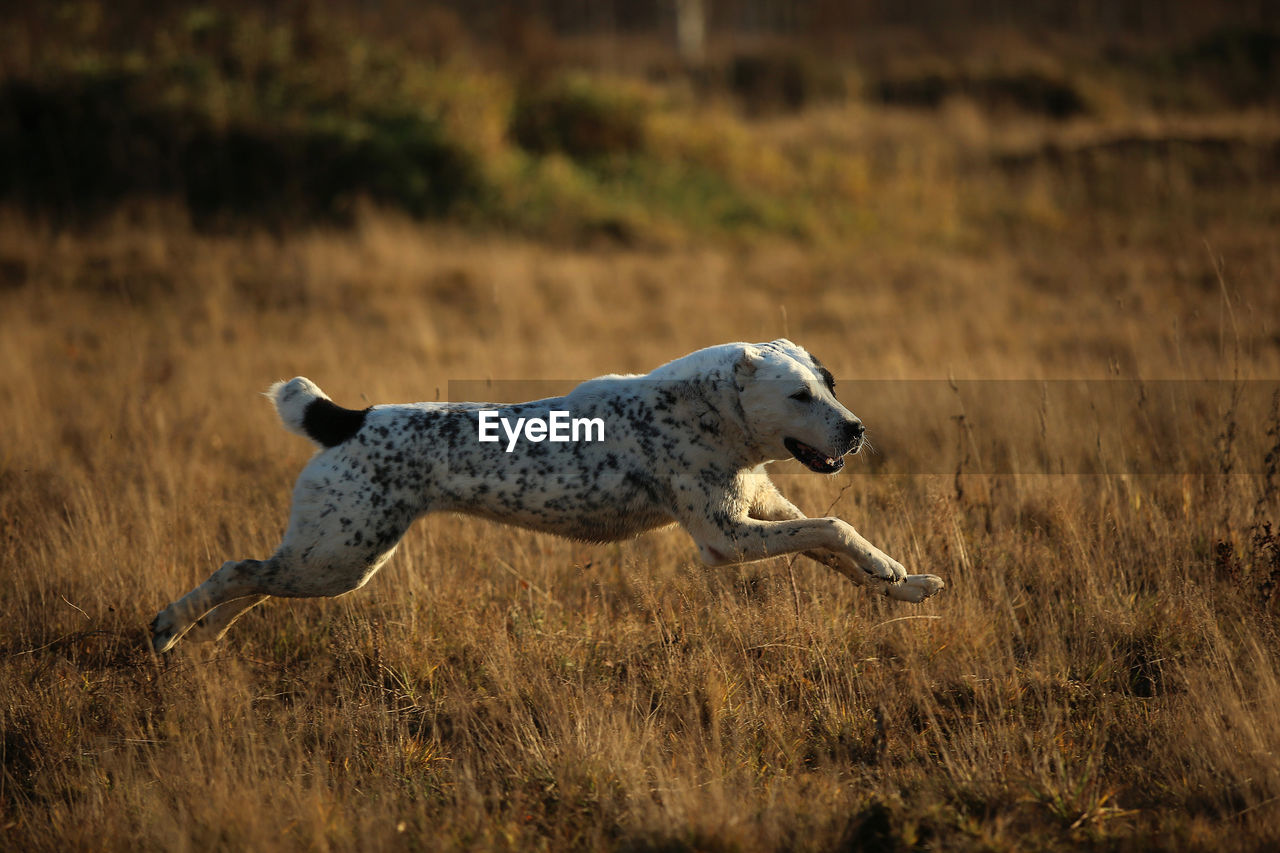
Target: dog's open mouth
814 460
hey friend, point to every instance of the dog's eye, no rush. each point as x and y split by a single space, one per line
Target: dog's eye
802 396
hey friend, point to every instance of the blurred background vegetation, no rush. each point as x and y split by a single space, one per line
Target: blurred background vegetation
639 122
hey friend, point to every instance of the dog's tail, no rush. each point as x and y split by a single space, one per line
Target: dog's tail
309 412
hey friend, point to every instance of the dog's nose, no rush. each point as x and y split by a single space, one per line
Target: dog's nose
853 431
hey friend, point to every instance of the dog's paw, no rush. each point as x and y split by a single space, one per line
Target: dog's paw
916 588
163 632
884 568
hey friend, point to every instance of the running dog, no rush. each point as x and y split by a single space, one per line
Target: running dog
685 444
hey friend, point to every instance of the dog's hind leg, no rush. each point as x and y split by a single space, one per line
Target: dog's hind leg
311 563
341 530
235 580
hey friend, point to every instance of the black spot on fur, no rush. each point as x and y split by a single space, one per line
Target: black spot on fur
824 373
330 424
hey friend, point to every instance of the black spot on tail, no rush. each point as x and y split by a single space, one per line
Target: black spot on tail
330 424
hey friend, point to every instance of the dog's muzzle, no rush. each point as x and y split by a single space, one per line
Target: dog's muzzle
812 458
817 461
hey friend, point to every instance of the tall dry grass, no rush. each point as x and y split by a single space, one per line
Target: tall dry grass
1101 670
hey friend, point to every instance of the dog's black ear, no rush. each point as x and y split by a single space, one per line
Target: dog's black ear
748 361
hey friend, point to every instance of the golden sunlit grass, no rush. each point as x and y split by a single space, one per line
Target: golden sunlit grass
1100 669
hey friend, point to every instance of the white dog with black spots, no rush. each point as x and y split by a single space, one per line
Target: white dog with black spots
685 444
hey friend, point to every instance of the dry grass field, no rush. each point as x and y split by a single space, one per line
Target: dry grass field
1101 672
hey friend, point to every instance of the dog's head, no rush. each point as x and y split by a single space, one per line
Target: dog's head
789 401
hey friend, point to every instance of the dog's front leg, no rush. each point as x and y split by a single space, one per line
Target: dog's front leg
744 540
770 505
